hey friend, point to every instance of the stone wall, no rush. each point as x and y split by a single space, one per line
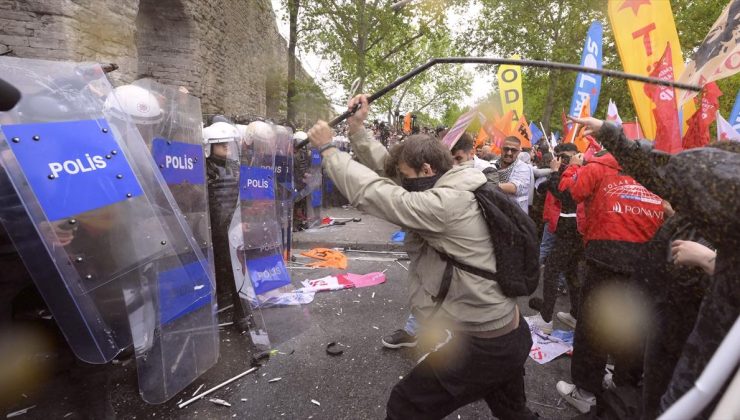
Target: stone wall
227 52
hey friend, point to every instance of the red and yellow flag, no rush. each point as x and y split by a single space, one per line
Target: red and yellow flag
642 29
523 133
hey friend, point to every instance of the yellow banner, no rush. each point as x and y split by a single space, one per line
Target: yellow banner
642 28
510 90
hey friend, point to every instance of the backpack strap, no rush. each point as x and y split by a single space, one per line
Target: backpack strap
469 268
444 288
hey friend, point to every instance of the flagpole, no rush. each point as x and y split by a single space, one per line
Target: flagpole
716 118
544 134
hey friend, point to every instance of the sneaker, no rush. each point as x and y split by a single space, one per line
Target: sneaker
567 319
399 338
581 399
537 321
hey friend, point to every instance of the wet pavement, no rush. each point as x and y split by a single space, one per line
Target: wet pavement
354 385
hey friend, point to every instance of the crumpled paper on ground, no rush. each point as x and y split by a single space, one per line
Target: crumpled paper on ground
545 347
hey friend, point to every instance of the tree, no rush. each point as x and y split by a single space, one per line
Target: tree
366 39
555 30
293 10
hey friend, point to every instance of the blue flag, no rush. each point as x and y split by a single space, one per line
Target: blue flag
735 114
588 84
536 133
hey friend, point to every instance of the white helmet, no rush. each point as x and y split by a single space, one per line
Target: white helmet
259 132
220 132
135 102
299 136
243 133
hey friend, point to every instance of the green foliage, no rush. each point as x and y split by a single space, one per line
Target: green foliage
555 30
366 39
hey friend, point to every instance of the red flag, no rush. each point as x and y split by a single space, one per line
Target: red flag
564 120
698 133
668 131
631 130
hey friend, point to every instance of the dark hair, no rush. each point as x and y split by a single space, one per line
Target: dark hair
513 139
417 150
566 147
727 146
391 163
465 143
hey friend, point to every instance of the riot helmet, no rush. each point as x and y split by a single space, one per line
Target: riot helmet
220 139
138 104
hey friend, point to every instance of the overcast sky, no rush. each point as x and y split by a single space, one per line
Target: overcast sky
319 68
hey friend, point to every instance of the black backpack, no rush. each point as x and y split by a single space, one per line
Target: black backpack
515 245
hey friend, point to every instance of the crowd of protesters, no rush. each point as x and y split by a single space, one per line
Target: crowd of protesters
644 245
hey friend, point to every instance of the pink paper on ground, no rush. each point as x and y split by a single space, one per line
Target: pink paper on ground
364 280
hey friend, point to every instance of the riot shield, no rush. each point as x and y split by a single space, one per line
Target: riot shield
313 208
99 231
261 276
284 185
175 143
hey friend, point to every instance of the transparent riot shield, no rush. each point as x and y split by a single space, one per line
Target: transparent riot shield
176 144
261 276
99 231
284 185
313 208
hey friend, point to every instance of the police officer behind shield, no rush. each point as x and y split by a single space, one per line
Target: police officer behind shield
222 169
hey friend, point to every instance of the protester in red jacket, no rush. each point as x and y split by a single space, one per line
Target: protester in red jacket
621 217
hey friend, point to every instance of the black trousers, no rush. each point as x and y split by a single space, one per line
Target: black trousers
594 341
463 371
564 258
718 312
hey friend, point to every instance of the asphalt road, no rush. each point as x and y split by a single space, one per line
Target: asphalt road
354 385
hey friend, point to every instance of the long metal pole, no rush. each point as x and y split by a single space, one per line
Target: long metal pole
511 61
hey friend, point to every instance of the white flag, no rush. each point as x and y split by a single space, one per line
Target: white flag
612 114
725 130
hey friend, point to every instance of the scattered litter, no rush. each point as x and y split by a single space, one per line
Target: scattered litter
338 314
273 380
316 402
198 287
404 267
400 377
25 410
458 416
199 388
547 405
545 347
70 413
225 324
257 359
225 308
329 258
376 327
244 400
215 388
179 401
219 401
398 236
332 350
291 352
24 395
373 296
355 301
264 374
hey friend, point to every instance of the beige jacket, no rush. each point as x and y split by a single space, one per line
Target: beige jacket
446 218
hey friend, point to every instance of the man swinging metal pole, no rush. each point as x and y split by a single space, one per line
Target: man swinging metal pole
492 60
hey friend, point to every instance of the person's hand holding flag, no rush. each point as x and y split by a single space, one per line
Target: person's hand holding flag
591 125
